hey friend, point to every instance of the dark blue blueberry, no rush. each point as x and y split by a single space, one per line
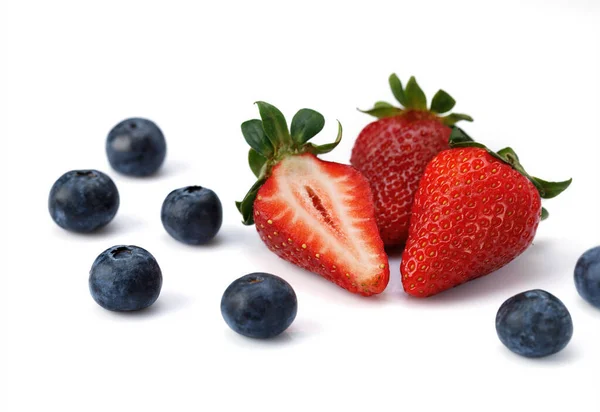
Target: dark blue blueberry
192 214
534 324
587 276
259 305
83 200
125 278
136 147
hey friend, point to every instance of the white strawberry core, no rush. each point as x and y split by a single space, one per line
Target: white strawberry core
328 206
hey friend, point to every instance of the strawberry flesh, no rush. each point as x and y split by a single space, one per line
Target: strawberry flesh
319 215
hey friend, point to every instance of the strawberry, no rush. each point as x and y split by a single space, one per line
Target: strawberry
315 214
393 151
474 212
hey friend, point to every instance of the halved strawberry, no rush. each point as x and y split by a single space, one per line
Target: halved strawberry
315 214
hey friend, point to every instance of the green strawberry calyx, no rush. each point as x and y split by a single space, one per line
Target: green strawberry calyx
271 141
547 190
412 98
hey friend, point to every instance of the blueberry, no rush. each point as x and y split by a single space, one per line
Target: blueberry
534 324
83 200
125 278
136 147
587 276
259 305
192 214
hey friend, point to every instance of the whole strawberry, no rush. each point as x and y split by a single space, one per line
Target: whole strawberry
393 151
315 214
474 212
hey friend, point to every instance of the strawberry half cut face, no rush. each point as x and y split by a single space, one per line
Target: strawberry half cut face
319 215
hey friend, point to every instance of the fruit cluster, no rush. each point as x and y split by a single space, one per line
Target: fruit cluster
415 180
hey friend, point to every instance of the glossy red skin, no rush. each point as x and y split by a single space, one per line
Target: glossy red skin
297 242
472 215
392 153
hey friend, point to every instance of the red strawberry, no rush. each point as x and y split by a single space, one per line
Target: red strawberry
315 214
474 212
392 152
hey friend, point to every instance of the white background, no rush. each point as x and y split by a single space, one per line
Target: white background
527 71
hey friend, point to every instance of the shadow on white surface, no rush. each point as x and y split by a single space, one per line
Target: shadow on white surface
567 355
299 331
166 304
217 242
171 168
168 169
171 301
242 341
317 286
532 270
571 353
228 236
121 224
585 307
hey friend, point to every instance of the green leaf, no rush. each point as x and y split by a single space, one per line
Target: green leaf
458 136
257 139
274 125
459 139
383 111
442 102
415 98
246 206
397 90
451 119
305 125
548 190
326 148
508 154
382 104
256 161
545 214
